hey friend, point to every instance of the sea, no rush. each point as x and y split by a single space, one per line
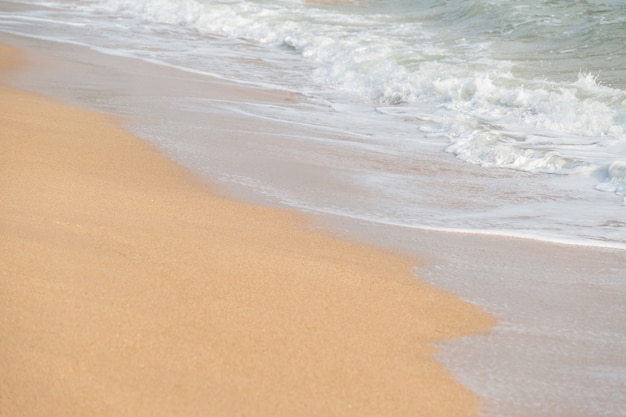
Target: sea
498 124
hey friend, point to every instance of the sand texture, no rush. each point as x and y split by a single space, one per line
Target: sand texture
128 289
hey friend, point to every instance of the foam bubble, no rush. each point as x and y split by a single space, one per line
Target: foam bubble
615 178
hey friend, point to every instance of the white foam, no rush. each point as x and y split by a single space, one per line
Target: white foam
391 85
615 178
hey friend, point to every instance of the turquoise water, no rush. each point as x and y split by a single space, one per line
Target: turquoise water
532 87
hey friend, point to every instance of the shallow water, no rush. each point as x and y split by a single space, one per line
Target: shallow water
532 87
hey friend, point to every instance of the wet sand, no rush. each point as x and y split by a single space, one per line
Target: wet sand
128 288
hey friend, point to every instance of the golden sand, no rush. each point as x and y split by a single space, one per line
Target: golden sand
127 289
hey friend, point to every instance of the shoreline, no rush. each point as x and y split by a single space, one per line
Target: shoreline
559 308
133 291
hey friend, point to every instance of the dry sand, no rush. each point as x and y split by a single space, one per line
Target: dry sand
127 289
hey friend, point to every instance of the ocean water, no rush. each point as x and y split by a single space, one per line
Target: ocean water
534 91
472 118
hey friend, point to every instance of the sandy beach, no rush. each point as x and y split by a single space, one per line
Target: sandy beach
128 288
